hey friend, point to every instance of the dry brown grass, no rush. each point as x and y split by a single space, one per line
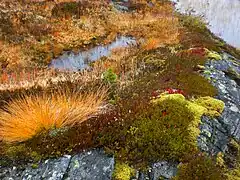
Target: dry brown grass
12 56
151 44
32 32
154 23
27 116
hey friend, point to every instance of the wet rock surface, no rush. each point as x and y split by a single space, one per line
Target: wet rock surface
163 169
88 165
215 133
50 169
160 170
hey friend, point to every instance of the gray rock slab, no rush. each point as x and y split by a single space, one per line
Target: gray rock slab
51 169
91 165
215 133
163 169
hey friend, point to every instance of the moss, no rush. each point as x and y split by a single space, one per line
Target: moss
232 161
219 160
16 151
109 76
123 171
35 156
233 174
213 55
213 107
204 167
194 84
200 167
167 130
34 165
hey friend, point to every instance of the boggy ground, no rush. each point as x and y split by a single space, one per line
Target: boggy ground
156 95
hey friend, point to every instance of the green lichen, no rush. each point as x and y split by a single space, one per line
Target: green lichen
123 171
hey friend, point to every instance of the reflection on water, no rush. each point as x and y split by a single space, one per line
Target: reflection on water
79 61
223 16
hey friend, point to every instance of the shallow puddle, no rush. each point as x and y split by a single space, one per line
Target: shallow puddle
75 62
223 16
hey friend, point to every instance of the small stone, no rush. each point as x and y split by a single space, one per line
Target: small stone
234 108
163 169
91 165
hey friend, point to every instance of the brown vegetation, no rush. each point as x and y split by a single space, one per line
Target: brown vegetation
42 30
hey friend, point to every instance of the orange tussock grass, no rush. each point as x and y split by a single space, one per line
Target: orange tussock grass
27 116
151 43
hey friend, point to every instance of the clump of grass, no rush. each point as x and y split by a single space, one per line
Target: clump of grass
27 116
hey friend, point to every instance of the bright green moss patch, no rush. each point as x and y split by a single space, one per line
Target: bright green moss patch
123 171
167 130
213 55
213 107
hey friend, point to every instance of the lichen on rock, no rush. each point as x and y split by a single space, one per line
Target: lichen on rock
123 171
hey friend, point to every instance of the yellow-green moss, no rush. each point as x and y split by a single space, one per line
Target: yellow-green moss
123 171
233 174
219 160
167 130
213 55
213 107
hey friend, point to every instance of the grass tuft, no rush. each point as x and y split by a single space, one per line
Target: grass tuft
27 116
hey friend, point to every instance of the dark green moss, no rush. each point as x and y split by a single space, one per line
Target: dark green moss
67 9
195 84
